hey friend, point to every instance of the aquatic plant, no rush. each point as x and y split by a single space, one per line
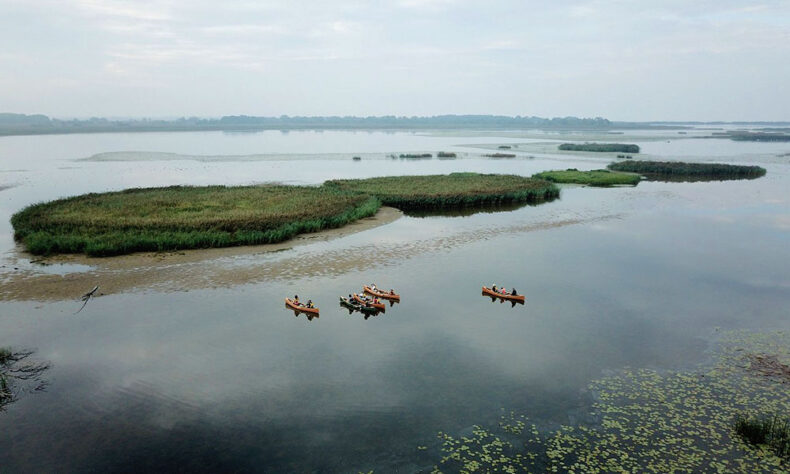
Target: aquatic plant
184 217
773 432
450 191
591 178
600 147
18 375
648 421
678 170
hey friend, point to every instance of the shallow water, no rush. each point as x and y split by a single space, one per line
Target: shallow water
203 370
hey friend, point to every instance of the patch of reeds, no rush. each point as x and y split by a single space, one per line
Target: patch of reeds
773 432
184 217
678 170
600 147
455 190
591 178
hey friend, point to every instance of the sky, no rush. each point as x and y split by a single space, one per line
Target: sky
624 60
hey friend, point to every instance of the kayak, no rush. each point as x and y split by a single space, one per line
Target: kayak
379 306
291 304
505 296
353 305
381 294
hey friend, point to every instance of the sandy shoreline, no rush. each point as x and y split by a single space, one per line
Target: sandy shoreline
147 269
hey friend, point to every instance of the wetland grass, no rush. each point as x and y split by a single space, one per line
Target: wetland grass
600 147
773 432
456 190
591 178
184 217
680 171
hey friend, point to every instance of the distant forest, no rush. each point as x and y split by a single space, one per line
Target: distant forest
20 124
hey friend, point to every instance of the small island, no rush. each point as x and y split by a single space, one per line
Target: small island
600 147
601 178
680 171
191 217
450 191
415 155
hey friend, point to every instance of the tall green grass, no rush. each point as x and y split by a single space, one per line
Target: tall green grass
678 170
184 217
450 191
590 178
773 432
600 147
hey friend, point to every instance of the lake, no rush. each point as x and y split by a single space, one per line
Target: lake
199 367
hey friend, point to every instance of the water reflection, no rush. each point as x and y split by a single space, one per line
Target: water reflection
19 375
469 211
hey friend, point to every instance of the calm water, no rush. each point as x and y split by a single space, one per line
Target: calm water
225 379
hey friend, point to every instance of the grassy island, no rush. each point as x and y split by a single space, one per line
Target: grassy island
451 191
680 171
600 147
189 217
182 217
590 178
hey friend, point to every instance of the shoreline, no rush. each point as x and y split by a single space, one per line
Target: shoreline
125 272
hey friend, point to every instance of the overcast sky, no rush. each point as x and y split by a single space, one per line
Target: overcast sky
623 60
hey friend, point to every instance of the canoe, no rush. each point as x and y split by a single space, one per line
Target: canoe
353 305
380 294
290 304
379 306
490 292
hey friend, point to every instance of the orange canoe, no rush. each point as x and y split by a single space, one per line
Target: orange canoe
380 294
504 296
291 304
379 306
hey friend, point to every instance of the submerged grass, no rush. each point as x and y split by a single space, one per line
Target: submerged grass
590 178
455 190
184 217
678 170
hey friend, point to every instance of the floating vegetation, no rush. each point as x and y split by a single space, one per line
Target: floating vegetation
454 190
415 155
600 147
652 421
680 171
590 178
446 154
772 432
501 155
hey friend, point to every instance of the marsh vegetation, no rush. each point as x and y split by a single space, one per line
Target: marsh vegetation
678 170
189 217
590 178
600 147
451 191
184 217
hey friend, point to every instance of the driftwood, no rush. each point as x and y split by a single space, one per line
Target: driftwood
87 296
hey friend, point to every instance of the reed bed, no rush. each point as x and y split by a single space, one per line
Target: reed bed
678 170
451 191
600 147
184 217
773 432
591 178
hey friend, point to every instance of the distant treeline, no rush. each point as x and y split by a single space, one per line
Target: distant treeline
681 170
20 124
600 147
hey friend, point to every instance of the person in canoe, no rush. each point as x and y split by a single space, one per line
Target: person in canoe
373 287
493 287
514 293
310 303
392 292
503 290
296 300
